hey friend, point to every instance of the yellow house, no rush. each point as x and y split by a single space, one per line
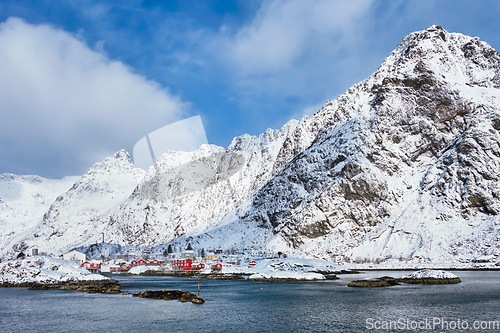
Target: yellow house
187 254
211 256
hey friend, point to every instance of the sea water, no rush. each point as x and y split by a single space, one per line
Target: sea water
246 306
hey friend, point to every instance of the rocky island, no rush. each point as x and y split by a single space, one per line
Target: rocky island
169 295
426 276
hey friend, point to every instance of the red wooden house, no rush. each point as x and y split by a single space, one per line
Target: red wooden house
182 264
198 266
119 269
146 262
216 267
91 266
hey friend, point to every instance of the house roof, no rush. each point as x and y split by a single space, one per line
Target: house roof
75 251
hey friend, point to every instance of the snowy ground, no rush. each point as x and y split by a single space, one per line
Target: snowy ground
282 275
285 268
136 270
430 274
46 270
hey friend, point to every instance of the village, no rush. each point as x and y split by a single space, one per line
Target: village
172 261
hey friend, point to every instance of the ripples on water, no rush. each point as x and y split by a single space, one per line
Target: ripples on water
245 306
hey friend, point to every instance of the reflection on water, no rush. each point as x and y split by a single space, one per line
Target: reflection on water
245 306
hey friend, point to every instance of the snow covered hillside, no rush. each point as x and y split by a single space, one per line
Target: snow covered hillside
404 166
68 219
46 270
23 202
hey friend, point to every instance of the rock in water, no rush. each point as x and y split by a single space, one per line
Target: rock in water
385 281
198 301
429 276
169 295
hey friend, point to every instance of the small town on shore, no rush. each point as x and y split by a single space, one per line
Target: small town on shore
172 261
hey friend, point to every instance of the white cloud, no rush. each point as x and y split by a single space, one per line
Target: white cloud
282 32
66 106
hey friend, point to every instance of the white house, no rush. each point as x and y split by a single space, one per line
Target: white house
75 256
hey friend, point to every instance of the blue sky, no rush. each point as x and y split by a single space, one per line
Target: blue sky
80 80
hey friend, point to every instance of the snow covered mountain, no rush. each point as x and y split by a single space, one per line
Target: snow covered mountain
183 193
404 166
63 216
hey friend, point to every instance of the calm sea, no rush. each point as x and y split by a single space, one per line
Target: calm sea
245 306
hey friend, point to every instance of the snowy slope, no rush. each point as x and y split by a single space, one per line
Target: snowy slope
189 193
70 221
183 193
47 270
24 200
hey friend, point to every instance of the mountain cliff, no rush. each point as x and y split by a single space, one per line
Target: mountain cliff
403 166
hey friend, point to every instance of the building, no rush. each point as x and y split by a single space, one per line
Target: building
182 264
93 267
187 254
118 269
105 268
211 256
198 266
216 267
75 256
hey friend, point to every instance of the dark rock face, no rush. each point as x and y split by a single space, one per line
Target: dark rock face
431 281
169 295
91 287
420 277
385 281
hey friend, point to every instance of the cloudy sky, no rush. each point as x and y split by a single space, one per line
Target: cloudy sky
82 79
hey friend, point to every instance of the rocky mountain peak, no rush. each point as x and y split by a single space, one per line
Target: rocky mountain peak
419 131
449 57
122 155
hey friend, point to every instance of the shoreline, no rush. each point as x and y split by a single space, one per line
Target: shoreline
359 270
